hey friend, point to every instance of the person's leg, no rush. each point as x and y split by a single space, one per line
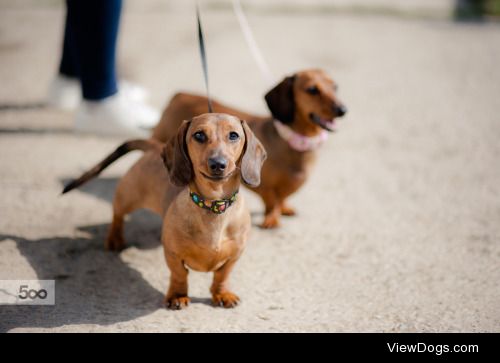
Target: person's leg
69 65
90 54
93 27
65 91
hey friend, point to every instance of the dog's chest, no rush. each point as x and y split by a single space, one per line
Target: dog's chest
295 172
209 248
294 165
205 256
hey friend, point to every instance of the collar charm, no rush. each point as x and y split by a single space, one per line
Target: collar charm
217 206
298 141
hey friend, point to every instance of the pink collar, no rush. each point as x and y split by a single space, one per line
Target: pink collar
298 141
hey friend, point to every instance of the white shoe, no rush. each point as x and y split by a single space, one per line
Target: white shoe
133 91
117 115
65 92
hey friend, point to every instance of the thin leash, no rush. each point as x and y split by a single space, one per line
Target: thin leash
252 44
217 206
203 55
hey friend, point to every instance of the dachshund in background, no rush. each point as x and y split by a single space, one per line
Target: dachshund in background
192 181
304 109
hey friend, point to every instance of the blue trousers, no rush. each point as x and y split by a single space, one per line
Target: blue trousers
89 48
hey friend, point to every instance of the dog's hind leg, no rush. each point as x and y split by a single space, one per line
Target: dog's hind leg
124 203
115 240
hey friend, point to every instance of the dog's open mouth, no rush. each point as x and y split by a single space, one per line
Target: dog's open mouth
217 177
327 124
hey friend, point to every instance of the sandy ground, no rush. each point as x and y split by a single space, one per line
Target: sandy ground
399 226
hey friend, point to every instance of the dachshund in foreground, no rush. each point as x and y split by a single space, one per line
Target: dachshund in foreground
192 182
303 107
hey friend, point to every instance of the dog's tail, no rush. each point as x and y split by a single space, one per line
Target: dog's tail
131 145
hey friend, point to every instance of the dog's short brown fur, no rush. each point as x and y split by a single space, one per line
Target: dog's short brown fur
192 237
298 101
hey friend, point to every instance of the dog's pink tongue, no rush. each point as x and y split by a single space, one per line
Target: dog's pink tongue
329 123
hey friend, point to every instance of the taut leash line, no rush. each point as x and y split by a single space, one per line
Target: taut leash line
203 56
252 44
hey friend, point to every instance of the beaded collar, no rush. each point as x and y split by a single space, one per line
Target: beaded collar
298 141
217 206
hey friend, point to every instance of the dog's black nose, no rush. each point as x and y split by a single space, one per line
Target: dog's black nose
340 110
217 165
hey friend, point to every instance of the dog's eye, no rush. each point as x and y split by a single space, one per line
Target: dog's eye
313 90
233 136
200 137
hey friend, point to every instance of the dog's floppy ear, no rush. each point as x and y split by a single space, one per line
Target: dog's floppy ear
176 158
254 156
281 101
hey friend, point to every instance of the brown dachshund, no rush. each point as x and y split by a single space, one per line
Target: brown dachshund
205 220
303 106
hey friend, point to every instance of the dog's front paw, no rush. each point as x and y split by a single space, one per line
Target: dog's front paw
225 299
287 211
177 302
270 221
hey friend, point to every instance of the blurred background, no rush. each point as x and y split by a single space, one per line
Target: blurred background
399 224
164 29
